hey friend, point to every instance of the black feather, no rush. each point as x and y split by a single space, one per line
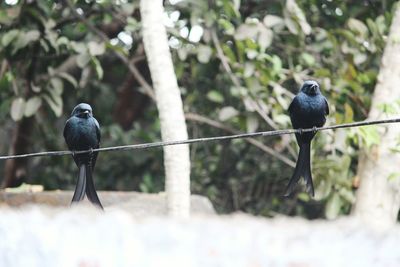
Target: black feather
82 132
307 110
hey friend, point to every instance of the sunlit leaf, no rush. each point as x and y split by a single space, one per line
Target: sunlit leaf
272 21
25 39
204 54
55 103
333 206
9 37
227 113
246 31
358 27
252 123
18 108
68 78
32 106
295 14
215 96
82 60
265 38
96 48
98 67
57 85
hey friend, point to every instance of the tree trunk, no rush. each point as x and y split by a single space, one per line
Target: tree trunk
170 107
15 170
131 103
378 197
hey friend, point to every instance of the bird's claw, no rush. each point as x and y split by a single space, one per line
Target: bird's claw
314 129
73 153
300 131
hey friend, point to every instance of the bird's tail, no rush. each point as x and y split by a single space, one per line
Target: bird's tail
90 189
80 188
302 169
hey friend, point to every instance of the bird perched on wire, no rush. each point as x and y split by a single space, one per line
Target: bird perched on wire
82 132
307 110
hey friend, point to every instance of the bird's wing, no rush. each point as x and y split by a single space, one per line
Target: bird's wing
327 107
67 128
98 134
97 129
292 105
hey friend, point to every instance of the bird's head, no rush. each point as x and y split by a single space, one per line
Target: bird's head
82 110
310 88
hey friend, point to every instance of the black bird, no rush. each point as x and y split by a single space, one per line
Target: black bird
82 132
307 110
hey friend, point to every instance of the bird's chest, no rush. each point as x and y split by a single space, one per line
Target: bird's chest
312 107
84 135
308 112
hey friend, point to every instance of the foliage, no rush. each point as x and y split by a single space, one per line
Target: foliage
51 60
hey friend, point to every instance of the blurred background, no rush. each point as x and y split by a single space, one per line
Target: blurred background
239 64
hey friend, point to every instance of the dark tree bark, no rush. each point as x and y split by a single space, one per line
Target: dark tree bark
15 170
131 103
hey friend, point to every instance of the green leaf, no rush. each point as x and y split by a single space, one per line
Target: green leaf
245 31
96 49
308 59
17 108
265 37
97 67
291 25
215 96
35 88
82 60
347 195
55 103
227 113
272 21
204 54
78 47
358 27
9 36
57 86
132 25
25 39
333 206
63 41
323 189
294 13
68 78
252 123
32 106
348 113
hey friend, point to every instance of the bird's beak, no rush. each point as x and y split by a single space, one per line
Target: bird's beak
86 112
314 88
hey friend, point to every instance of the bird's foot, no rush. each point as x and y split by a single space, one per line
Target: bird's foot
73 153
314 129
300 131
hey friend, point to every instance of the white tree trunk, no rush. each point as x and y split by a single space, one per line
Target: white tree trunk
378 197
170 108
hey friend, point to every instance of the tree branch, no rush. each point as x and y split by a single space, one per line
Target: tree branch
132 68
260 145
235 80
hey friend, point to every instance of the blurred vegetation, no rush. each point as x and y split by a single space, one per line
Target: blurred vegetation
238 64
